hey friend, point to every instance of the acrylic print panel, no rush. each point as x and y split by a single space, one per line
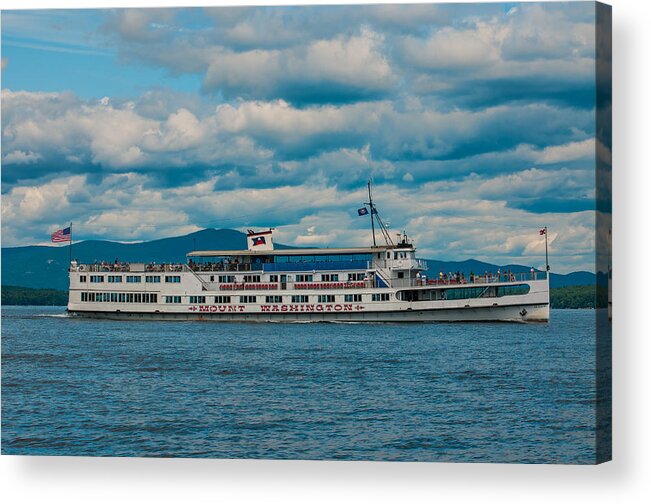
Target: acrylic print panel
375 232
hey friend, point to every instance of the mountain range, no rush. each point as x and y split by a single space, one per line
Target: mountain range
38 266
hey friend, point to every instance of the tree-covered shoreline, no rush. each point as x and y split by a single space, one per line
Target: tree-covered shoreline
24 296
579 296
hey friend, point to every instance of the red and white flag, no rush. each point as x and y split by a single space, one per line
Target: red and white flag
61 235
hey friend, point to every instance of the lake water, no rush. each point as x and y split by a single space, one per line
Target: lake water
426 392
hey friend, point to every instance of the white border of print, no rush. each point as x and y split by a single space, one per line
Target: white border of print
83 479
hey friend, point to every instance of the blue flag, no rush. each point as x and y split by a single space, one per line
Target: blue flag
362 211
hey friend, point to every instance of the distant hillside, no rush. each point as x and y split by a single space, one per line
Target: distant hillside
45 267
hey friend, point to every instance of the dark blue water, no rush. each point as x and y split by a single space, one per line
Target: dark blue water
426 392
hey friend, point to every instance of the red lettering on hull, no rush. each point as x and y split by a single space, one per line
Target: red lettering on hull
277 308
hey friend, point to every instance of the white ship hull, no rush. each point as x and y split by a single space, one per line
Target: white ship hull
530 307
514 313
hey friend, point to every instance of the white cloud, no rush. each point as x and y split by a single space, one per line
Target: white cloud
115 136
354 62
20 157
454 48
568 152
141 25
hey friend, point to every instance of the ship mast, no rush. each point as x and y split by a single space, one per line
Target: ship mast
375 215
371 211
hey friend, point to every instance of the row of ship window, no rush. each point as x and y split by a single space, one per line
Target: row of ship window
119 297
130 279
328 277
139 297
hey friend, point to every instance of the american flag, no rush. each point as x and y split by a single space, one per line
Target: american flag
61 235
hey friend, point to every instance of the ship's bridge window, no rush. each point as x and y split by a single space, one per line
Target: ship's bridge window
173 299
152 279
172 279
82 278
326 298
222 299
134 279
330 277
273 299
97 278
321 258
353 298
300 299
379 297
247 299
304 278
197 299
115 278
356 277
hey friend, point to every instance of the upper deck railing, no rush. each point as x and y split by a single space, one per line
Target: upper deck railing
125 267
485 278
422 281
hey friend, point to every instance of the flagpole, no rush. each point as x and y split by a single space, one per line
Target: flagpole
546 253
70 247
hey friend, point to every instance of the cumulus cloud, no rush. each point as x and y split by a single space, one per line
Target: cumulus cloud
450 48
20 157
120 136
106 136
537 51
335 70
338 54
141 25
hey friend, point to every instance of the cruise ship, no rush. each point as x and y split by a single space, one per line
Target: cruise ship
379 283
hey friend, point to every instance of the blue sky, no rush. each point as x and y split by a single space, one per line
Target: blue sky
476 122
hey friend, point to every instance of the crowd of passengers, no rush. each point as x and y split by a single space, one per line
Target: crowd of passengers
460 277
228 265
125 267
